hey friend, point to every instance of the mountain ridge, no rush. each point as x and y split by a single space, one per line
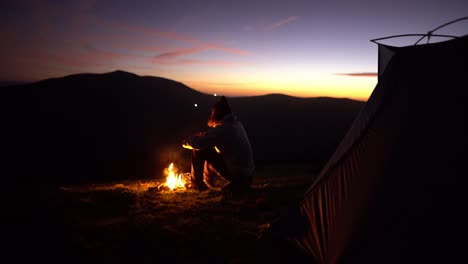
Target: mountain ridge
120 125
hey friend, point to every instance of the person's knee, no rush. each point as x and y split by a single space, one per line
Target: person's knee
208 179
212 177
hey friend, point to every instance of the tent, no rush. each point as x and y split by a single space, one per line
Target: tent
392 192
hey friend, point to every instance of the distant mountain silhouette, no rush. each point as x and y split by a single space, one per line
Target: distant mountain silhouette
119 125
295 129
11 83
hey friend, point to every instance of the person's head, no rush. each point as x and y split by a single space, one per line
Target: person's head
218 111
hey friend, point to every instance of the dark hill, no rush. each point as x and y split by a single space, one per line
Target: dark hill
292 128
119 125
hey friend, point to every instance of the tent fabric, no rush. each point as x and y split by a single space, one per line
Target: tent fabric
385 55
392 192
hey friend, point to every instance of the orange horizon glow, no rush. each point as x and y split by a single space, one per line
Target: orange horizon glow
356 88
304 86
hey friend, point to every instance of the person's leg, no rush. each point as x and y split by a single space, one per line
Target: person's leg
215 161
198 163
215 175
217 166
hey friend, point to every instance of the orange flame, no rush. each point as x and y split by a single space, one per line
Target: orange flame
173 180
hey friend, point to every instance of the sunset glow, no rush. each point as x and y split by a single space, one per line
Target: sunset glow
299 48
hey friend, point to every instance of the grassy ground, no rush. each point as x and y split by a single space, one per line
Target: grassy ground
131 222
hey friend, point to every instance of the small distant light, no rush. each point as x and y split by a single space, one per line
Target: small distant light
196 105
214 94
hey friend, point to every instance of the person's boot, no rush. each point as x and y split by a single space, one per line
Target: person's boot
198 186
196 180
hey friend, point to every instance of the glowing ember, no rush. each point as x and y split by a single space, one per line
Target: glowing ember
173 180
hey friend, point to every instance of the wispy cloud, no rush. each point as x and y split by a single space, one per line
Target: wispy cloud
282 23
176 58
358 74
226 49
151 31
94 42
204 62
93 54
170 56
176 37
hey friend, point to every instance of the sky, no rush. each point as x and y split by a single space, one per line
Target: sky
233 48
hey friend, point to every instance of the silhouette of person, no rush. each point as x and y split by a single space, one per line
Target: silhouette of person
223 151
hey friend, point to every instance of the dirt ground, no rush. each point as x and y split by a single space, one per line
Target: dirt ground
135 222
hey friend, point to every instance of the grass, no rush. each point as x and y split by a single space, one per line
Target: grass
134 222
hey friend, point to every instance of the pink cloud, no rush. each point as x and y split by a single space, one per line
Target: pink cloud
175 36
172 55
168 55
359 74
175 58
142 47
94 54
48 46
152 31
282 22
201 62
228 50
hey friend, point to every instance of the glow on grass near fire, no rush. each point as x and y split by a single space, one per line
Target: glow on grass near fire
174 181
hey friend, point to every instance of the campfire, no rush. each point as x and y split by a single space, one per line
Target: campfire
173 179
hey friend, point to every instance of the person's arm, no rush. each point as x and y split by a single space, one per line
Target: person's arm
187 143
205 140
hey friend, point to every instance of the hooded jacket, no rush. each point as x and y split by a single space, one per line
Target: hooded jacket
231 141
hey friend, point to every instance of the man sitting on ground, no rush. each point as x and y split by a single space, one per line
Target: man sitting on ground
221 151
